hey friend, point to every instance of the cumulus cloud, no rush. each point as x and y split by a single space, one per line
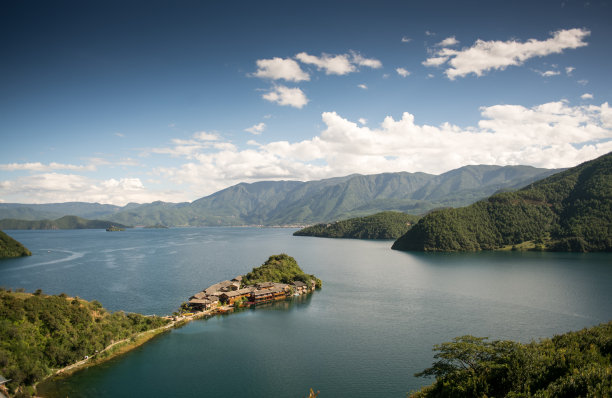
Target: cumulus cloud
256 129
340 64
484 56
200 140
406 39
286 96
362 86
280 68
569 70
402 72
586 96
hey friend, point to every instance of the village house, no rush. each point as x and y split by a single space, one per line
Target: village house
232 296
300 287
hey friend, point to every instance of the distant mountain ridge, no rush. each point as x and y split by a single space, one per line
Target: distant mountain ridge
66 222
295 202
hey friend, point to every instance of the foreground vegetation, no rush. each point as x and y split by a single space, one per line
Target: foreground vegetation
575 364
384 225
280 268
10 248
569 211
66 222
40 333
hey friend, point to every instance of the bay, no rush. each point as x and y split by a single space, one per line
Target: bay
365 334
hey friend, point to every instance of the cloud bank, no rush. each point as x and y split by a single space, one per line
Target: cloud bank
551 135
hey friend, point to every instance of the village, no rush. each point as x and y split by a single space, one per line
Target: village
232 293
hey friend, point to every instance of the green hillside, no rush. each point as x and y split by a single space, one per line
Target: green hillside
39 333
575 364
279 268
569 211
66 222
10 248
384 225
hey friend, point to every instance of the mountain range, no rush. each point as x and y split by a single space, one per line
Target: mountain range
295 202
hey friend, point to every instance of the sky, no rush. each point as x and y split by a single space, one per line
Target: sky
119 102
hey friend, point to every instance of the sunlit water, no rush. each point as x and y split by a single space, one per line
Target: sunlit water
365 334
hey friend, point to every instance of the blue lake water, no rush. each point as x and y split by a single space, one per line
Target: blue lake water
365 334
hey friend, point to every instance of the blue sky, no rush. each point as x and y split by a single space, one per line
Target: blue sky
118 102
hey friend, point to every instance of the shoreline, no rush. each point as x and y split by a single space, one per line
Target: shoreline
121 347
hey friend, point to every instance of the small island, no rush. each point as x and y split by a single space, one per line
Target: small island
278 278
113 228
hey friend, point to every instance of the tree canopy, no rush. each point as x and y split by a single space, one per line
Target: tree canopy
280 268
575 364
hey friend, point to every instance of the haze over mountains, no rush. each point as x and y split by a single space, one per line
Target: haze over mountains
294 202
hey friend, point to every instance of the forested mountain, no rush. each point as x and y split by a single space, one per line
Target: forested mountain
10 248
569 211
384 225
66 222
294 202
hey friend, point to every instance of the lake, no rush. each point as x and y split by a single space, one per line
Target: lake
365 334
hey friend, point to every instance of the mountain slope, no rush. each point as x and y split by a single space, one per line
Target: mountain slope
569 211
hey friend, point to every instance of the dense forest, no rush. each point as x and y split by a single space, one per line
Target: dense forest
39 333
279 268
10 248
569 211
66 222
384 225
575 364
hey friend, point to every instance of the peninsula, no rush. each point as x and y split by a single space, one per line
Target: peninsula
278 278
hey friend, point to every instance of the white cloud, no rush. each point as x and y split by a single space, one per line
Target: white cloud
406 39
340 64
583 82
37 166
362 86
56 187
402 72
200 140
332 64
448 42
362 121
586 96
279 68
429 33
484 56
120 135
256 129
549 73
569 70
282 95
204 136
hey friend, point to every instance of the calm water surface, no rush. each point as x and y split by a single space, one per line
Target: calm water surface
365 334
